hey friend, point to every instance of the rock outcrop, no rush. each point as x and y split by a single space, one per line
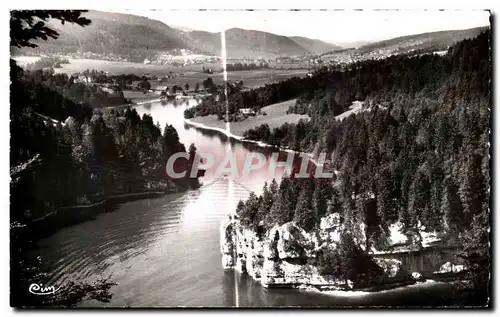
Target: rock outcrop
227 244
400 239
449 267
394 271
285 255
418 277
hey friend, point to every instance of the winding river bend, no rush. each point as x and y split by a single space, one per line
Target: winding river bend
165 251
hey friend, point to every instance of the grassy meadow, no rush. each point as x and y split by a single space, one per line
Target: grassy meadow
276 116
191 74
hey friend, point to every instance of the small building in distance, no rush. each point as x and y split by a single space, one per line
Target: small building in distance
284 60
247 111
79 78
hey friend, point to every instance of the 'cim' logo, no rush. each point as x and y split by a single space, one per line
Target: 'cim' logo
40 290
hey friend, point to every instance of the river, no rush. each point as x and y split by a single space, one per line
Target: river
165 251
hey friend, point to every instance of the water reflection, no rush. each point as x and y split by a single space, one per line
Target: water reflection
94 246
165 251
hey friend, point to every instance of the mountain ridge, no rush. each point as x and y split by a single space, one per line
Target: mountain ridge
137 37
314 45
125 36
437 39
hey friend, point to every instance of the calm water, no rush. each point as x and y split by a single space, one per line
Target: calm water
165 251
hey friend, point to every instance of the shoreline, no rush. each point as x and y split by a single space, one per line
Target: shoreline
240 138
361 293
133 104
68 216
112 197
144 102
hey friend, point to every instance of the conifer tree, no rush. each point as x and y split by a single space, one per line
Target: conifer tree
304 215
451 206
267 201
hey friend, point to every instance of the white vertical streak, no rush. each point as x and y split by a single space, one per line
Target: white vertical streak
231 200
224 75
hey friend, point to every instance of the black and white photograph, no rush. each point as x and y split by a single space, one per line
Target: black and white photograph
250 158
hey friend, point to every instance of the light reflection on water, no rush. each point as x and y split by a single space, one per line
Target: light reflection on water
165 251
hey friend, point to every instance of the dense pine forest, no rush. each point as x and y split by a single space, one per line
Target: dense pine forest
86 155
239 98
417 153
244 66
49 87
63 154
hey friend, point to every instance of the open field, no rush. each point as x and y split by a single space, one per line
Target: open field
356 107
24 60
276 116
257 78
191 74
182 75
116 68
250 78
138 96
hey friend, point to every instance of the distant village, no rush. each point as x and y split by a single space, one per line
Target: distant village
185 57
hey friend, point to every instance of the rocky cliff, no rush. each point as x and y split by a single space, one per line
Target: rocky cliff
286 256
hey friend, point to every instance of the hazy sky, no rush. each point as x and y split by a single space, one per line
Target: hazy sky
332 26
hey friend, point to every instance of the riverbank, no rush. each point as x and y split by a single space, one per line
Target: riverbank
137 96
236 129
362 293
155 97
68 216
241 139
275 117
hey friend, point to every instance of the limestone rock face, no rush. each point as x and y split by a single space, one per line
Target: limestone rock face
449 267
391 267
271 273
360 235
293 242
271 250
330 229
227 244
410 238
417 276
394 271
227 261
241 265
285 255
70 122
396 235
251 249
332 221
254 264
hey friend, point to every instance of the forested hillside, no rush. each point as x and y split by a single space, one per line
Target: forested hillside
315 46
431 41
126 35
65 154
418 154
241 43
57 93
86 155
136 38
